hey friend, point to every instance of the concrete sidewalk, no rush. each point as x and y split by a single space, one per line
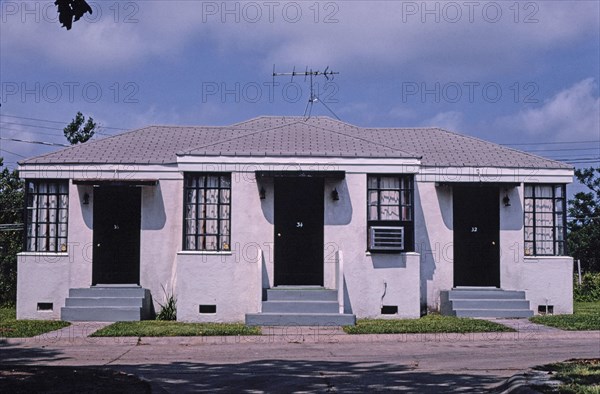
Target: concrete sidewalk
310 359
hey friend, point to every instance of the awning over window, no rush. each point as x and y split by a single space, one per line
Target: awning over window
481 184
116 182
301 174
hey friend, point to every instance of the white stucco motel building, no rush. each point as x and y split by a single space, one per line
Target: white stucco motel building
287 220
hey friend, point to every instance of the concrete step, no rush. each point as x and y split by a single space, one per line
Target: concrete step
460 294
300 307
484 302
300 319
508 313
104 301
490 304
110 314
301 294
108 303
115 291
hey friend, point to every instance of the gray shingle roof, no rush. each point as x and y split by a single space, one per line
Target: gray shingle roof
294 137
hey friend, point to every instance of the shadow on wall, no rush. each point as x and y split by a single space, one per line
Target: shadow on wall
444 199
153 208
431 254
87 210
347 302
265 280
511 216
339 212
388 260
154 216
265 188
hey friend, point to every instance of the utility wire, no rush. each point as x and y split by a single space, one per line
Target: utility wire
30 131
553 143
12 153
55 121
47 127
30 125
34 142
562 150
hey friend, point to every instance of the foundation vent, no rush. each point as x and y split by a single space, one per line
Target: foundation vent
389 310
45 306
208 309
546 309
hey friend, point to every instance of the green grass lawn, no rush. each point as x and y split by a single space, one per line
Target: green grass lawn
426 324
10 327
586 316
155 328
579 377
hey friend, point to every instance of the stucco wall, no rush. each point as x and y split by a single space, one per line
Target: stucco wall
372 279
547 280
161 237
434 241
230 280
47 277
41 278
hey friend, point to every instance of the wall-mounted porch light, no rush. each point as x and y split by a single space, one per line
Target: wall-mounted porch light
335 195
262 193
86 198
506 200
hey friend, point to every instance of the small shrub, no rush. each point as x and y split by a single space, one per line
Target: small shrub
589 291
168 310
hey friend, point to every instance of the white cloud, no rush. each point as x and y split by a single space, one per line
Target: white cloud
370 32
402 113
116 35
572 114
450 120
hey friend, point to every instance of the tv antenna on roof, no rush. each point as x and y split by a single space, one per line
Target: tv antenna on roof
327 73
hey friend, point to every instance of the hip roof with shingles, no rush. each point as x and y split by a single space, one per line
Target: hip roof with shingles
271 136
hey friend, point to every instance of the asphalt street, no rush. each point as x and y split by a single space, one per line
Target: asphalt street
311 359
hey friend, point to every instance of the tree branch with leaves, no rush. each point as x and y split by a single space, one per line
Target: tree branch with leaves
584 224
70 11
80 130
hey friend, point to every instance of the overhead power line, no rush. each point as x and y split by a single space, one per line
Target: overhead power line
553 143
30 131
30 125
34 142
47 127
562 150
11 153
55 121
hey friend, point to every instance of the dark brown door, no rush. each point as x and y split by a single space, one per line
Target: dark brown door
117 219
298 231
476 236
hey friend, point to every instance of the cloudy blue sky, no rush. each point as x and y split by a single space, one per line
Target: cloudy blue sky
512 72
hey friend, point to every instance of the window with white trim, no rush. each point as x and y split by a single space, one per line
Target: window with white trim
390 213
545 220
46 215
207 212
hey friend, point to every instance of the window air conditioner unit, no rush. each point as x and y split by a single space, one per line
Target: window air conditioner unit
386 238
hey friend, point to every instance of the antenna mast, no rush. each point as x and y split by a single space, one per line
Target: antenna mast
327 73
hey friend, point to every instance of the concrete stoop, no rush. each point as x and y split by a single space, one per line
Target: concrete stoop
300 307
108 304
488 302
